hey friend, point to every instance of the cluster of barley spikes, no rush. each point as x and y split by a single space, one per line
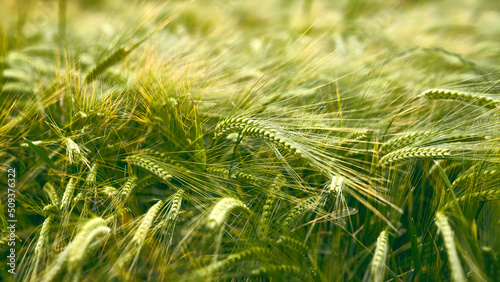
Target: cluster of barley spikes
251 140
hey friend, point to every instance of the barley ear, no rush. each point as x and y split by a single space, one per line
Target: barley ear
444 227
221 211
377 268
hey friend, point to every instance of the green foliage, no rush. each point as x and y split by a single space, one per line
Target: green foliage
251 140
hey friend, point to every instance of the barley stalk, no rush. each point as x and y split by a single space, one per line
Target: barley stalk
150 165
40 243
82 245
127 188
449 242
488 195
405 140
73 254
68 193
273 137
51 192
354 138
469 176
377 268
227 126
271 270
238 175
118 55
232 259
293 244
175 208
414 153
146 222
252 128
266 210
473 99
91 177
295 212
221 211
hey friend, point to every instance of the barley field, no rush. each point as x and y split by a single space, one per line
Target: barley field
266 140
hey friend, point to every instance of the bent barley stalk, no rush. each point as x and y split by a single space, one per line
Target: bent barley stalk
377 268
414 153
232 259
405 140
266 210
488 195
150 165
221 211
91 177
273 137
68 193
280 270
51 192
473 99
230 125
293 244
252 128
118 55
457 272
238 175
82 247
127 188
175 208
472 175
72 257
146 222
354 138
306 205
40 243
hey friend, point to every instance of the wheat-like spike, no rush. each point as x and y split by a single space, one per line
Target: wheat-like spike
449 242
307 204
118 55
150 165
271 270
230 260
68 193
176 206
488 195
460 138
468 176
40 243
252 128
82 246
473 99
51 192
146 181
78 197
405 140
336 185
354 138
377 268
221 211
238 175
165 157
230 125
127 188
91 177
273 137
73 151
266 209
49 210
414 153
293 244
146 222
72 255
